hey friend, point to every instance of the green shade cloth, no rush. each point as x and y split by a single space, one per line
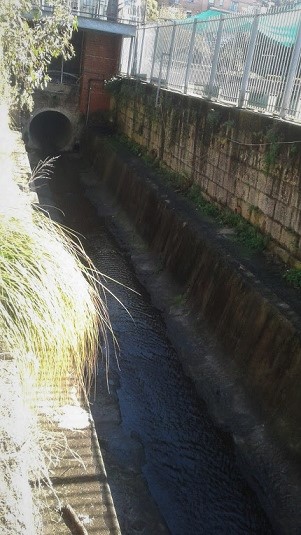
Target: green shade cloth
279 27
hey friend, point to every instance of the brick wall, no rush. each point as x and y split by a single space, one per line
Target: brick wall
100 58
246 161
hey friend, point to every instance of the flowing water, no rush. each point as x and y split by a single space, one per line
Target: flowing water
170 469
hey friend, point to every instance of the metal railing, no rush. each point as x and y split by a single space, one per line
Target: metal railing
62 77
249 61
122 11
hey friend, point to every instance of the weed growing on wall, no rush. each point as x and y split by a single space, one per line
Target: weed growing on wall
247 234
293 276
271 154
207 208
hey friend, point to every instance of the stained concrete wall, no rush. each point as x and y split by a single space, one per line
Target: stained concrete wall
242 160
258 332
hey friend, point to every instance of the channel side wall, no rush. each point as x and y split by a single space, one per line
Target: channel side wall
236 157
257 332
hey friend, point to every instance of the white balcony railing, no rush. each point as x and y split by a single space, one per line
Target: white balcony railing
121 11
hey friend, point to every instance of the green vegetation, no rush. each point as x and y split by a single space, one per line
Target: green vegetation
270 156
293 276
152 10
246 233
207 208
50 310
178 300
171 13
28 41
52 318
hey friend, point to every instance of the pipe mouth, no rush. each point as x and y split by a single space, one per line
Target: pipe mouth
50 131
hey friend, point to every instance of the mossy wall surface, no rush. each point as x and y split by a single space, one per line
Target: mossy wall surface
242 160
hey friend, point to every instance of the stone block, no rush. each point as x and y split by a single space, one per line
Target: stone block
242 190
210 170
295 220
288 239
249 175
224 161
285 192
264 184
253 196
266 225
203 182
257 218
211 190
279 251
280 213
275 231
245 210
266 204
221 195
232 202
229 183
213 157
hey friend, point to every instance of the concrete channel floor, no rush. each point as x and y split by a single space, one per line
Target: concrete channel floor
80 501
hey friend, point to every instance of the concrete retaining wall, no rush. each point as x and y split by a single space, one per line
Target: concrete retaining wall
252 325
237 157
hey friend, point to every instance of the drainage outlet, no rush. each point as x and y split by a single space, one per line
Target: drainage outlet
50 131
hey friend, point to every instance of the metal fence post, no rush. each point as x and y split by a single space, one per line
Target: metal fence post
172 47
160 77
134 61
142 50
247 69
155 51
291 75
190 54
130 56
215 56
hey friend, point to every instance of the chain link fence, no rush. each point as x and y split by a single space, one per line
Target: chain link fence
249 61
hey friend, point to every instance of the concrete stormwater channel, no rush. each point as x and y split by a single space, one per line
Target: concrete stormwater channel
171 468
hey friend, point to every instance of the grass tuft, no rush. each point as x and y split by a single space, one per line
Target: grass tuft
293 276
51 314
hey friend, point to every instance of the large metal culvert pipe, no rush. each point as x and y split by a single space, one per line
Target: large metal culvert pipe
50 130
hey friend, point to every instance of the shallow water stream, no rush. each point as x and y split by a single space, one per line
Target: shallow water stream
170 469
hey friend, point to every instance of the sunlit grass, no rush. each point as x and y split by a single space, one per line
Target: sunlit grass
51 316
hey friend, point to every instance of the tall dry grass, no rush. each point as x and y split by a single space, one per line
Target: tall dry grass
52 318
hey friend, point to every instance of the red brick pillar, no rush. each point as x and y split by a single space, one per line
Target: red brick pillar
100 59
